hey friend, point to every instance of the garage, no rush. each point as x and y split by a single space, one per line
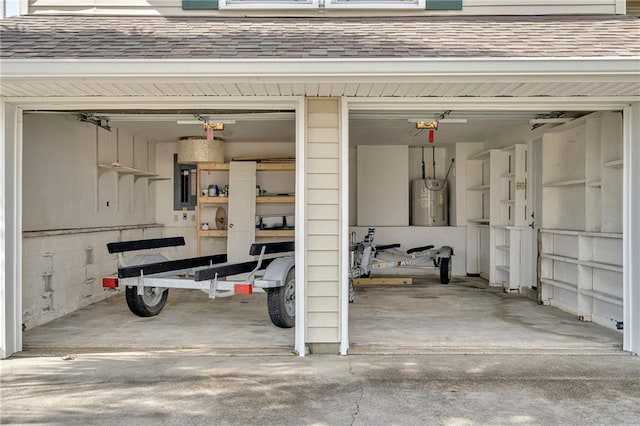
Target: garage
557 139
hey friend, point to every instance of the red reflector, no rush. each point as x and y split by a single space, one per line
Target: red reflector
244 289
110 282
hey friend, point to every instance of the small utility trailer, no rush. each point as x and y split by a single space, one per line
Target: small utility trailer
147 278
366 257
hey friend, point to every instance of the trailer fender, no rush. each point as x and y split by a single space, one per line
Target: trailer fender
445 251
276 273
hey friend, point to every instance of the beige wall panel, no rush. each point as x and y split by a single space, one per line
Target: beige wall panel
323 135
322 334
324 258
322 242
321 273
323 165
322 288
323 304
322 319
323 196
322 212
323 120
323 227
322 106
323 150
323 220
323 181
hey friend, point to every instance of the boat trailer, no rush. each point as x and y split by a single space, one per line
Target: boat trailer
147 278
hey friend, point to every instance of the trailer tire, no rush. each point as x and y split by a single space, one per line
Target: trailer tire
281 302
445 270
147 305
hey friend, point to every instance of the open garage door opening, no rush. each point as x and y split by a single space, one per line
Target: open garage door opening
485 230
164 203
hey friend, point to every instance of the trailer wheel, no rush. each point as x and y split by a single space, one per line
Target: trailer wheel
445 270
149 304
281 302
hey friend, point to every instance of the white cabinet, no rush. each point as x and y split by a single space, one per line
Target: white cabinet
581 237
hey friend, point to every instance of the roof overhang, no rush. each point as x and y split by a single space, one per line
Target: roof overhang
607 76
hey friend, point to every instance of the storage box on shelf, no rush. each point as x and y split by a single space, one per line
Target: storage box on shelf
581 257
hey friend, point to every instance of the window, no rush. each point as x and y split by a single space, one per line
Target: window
268 4
376 4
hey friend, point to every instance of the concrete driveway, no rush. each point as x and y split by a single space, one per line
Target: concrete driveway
195 387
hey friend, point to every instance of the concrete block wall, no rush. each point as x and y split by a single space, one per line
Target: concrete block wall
63 270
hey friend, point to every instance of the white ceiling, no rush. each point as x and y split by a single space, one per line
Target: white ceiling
365 127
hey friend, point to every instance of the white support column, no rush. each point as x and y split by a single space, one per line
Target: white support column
631 228
345 264
301 226
10 230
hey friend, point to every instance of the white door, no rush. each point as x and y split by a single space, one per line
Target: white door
242 210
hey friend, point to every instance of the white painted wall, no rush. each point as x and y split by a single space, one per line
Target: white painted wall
383 185
67 223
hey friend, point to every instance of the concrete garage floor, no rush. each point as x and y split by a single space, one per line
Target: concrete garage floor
474 356
464 316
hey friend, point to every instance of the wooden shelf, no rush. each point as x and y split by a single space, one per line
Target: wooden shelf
276 199
290 166
564 259
616 164
573 182
123 170
480 155
581 233
562 284
483 221
276 233
601 296
480 188
601 265
213 166
212 233
213 200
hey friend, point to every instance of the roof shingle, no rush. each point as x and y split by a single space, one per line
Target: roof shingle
128 37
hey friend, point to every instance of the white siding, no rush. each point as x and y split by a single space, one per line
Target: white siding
323 221
471 7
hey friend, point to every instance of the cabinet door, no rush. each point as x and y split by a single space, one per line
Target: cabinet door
242 210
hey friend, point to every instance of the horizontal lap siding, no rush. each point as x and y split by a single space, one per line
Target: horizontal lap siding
471 7
323 221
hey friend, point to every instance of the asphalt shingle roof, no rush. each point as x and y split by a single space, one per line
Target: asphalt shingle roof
374 37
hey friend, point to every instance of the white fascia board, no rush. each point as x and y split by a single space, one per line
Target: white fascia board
306 68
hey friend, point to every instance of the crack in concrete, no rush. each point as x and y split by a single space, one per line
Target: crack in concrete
358 399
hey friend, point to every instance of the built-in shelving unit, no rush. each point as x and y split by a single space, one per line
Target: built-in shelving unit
498 236
581 237
209 206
